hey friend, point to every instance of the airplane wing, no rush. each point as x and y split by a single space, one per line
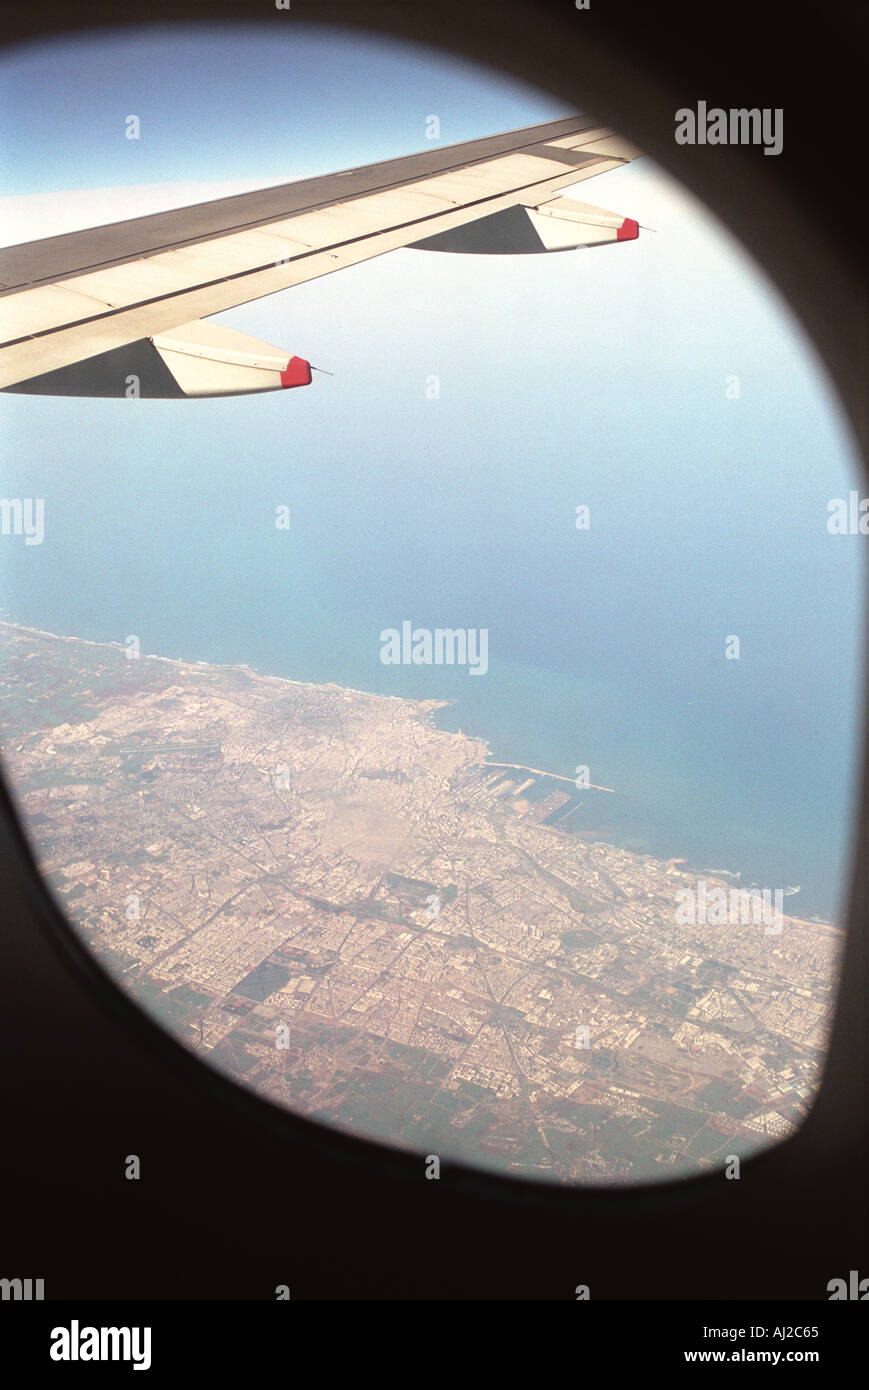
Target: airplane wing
117 310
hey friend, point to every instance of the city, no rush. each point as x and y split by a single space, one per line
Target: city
347 910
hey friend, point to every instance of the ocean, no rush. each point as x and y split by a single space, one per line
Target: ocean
606 647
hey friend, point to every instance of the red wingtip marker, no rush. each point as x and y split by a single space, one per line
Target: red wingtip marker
298 372
628 231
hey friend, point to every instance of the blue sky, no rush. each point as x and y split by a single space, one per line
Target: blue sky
227 102
594 377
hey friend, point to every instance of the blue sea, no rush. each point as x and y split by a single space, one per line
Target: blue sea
606 646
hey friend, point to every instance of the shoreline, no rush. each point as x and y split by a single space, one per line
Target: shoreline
187 665
426 708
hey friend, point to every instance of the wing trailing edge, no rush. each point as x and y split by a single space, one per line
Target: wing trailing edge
197 359
560 224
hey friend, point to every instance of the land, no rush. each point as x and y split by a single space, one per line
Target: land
345 909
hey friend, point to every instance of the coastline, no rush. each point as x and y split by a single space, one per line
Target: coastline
426 708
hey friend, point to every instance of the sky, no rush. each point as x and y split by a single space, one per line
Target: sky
598 377
233 103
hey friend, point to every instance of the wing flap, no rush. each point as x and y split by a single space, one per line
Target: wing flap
561 224
197 359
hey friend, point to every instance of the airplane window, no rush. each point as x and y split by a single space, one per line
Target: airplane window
430 600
